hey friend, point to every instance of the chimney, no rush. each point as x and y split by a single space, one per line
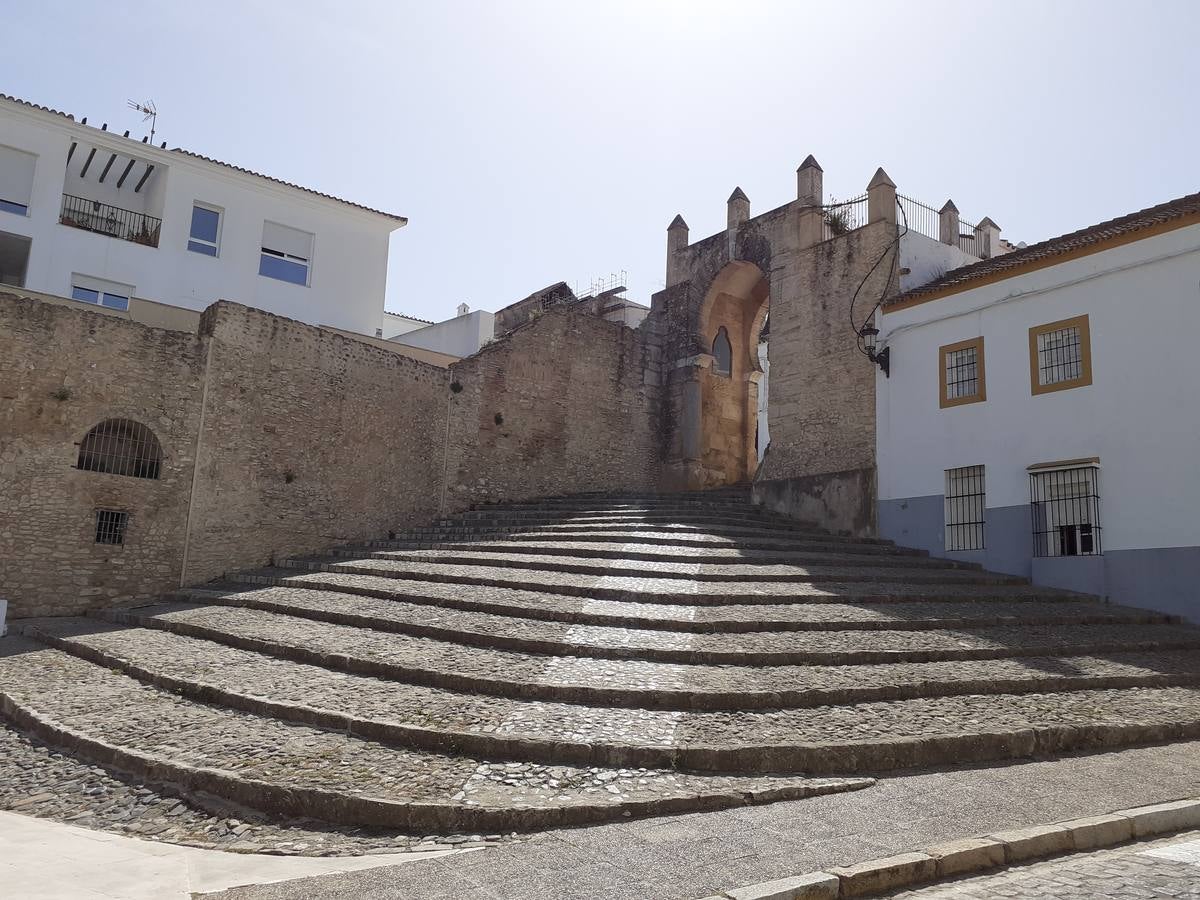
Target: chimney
677 239
987 238
810 182
463 309
881 198
948 224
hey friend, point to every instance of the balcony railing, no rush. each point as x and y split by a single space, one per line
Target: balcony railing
92 215
844 216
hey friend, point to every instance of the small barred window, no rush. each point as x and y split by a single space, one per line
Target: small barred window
961 373
1066 510
1060 355
110 526
965 496
121 447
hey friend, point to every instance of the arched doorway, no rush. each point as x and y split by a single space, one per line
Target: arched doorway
728 374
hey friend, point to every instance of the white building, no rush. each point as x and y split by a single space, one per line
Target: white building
101 217
1042 415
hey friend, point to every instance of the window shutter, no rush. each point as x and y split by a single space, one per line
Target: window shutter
16 175
291 241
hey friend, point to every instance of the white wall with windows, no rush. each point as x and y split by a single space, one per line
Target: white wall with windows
195 231
1089 450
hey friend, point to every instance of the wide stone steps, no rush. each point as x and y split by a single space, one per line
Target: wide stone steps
685 590
866 737
648 684
810 613
267 763
832 568
754 648
651 553
578 659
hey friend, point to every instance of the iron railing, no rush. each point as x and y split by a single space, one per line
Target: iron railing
926 220
965 512
92 215
845 216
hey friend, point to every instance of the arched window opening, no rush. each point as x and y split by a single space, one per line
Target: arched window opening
121 447
722 352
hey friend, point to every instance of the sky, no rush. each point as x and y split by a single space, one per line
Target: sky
532 142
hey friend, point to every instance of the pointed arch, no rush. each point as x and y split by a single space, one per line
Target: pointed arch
722 352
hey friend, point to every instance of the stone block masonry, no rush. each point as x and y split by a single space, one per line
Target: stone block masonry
565 403
279 438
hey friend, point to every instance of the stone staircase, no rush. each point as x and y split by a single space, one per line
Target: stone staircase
585 658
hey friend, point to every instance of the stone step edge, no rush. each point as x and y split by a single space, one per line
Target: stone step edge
785 557
732 626
643 698
352 809
940 592
681 656
626 531
970 856
930 574
802 758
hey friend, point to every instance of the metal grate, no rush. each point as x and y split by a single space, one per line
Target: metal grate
962 373
121 447
110 526
1065 504
965 502
1060 356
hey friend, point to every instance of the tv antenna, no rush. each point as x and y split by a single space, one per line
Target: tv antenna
149 113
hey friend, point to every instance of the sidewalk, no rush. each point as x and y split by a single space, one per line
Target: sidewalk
697 855
43 860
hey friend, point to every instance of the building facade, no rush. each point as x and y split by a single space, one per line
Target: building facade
104 218
1041 416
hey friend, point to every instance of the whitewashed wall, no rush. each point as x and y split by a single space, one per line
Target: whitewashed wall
350 248
1141 414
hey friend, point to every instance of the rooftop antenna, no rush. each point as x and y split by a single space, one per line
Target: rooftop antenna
149 113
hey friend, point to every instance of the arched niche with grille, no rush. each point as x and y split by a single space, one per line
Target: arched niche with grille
722 352
121 447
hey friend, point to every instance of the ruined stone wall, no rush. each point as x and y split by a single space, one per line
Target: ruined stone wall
309 439
63 371
564 404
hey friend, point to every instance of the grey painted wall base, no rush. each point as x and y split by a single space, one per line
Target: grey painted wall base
843 502
1162 579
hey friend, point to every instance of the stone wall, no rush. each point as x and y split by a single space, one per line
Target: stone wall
280 438
63 371
566 403
309 439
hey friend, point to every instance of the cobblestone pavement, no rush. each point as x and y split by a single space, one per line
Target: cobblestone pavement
583 660
1166 868
691 856
39 780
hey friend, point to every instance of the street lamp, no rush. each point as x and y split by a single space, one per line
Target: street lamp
881 358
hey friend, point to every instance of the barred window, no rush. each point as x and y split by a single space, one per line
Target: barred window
1065 502
120 447
961 375
722 352
110 526
1060 355
965 495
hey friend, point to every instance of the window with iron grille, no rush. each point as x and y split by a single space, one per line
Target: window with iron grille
1060 355
110 526
965 496
120 447
961 375
1065 504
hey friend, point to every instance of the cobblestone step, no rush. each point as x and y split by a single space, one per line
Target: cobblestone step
810 613
681 590
298 770
659 554
651 685
632 531
844 568
860 738
753 648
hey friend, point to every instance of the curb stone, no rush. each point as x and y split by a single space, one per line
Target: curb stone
974 855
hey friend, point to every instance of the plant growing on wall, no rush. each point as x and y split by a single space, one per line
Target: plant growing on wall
838 218
62 395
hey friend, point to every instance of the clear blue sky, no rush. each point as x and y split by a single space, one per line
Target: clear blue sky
531 142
